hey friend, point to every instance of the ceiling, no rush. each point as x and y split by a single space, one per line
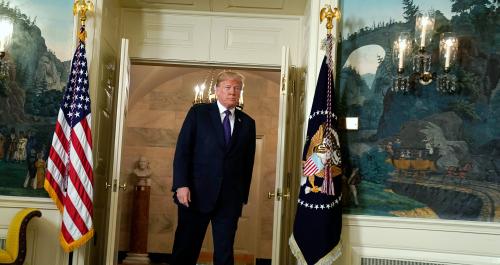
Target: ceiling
278 7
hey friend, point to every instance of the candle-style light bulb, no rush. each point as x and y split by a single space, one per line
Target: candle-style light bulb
196 93
402 48
424 22
447 56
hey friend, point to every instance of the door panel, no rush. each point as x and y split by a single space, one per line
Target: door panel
288 164
103 135
113 224
279 203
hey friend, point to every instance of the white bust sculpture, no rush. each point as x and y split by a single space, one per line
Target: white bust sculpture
143 172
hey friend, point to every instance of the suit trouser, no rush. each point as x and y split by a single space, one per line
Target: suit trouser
191 229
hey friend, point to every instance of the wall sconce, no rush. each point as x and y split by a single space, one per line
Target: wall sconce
424 29
6 29
199 90
210 97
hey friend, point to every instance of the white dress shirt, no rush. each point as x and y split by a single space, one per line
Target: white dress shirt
222 115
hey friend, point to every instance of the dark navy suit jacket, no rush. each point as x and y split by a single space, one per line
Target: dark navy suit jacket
212 170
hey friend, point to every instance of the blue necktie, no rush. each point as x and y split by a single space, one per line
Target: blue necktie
227 127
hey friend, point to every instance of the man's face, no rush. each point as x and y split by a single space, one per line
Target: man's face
228 93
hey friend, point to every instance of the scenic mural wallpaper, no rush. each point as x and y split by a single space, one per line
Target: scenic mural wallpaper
33 74
422 153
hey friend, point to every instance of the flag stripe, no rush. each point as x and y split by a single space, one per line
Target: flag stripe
77 153
56 168
64 127
72 217
85 124
68 238
80 206
83 149
76 180
55 186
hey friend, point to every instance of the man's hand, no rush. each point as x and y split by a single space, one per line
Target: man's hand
184 196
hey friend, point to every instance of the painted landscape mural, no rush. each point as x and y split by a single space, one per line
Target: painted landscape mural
423 153
33 74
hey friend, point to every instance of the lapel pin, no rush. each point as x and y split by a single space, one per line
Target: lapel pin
239 119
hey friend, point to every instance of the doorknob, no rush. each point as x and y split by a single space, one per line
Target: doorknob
123 186
107 186
286 195
278 195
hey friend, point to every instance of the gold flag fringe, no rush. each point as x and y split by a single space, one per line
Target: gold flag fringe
328 259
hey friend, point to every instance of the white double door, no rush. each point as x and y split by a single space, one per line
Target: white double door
286 150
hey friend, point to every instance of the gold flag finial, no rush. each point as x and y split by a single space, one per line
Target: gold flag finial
329 14
80 9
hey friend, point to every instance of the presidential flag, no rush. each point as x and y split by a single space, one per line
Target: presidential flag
318 220
69 177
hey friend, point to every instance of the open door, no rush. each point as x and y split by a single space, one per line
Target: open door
281 193
114 186
288 165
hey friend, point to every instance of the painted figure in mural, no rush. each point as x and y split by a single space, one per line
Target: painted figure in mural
2 142
213 166
428 147
353 181
390 150
20 153
11 144
396 146
31 144
40 166
143 172
30 176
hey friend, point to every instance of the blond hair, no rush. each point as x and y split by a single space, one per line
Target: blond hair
230 75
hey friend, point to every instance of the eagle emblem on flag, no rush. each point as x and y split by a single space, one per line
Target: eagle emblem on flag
323 154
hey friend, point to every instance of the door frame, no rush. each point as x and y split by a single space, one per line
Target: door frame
114 214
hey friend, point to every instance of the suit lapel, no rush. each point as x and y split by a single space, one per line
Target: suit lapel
216 122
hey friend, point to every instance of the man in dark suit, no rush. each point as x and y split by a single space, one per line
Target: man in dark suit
212 173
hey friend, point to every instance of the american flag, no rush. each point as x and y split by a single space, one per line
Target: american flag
69 178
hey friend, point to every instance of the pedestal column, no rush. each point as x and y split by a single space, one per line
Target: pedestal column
138 253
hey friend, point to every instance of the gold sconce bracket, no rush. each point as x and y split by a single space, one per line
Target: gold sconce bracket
329 14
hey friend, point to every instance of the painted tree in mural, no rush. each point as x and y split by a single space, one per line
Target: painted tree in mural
494 118
34 71
410 10
477 16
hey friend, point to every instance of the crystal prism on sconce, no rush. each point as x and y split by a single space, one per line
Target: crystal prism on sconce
422 60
